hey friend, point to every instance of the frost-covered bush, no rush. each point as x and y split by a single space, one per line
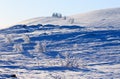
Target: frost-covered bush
71 61
26 38
44 46
17 48
75 46
55 76
8 38
40 47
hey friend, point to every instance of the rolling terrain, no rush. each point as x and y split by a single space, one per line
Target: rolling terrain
97 19
55 48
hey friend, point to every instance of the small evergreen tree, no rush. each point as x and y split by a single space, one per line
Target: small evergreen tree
53 15
57 15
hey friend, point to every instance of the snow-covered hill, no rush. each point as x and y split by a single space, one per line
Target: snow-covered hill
99 18
65 50
59 52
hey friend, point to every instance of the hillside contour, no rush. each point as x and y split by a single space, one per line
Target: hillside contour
99 18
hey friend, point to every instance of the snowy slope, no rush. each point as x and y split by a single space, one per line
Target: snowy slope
97 53
105 17
98 18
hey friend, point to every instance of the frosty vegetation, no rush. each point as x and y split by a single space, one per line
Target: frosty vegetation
26 38
68 61
40 47
71 61
55 76
18 48
8 38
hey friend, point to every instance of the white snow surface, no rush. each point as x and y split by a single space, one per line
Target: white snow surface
97 51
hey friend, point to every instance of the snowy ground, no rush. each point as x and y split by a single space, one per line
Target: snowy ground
97 52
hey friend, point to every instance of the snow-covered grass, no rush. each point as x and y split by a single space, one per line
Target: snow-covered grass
71 52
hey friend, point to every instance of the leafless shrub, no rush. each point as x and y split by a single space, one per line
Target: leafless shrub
40 47
55 76
8 38
71 61
18 48
26 38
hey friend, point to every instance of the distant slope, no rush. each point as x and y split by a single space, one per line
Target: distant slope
45 20
98 18
105 17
